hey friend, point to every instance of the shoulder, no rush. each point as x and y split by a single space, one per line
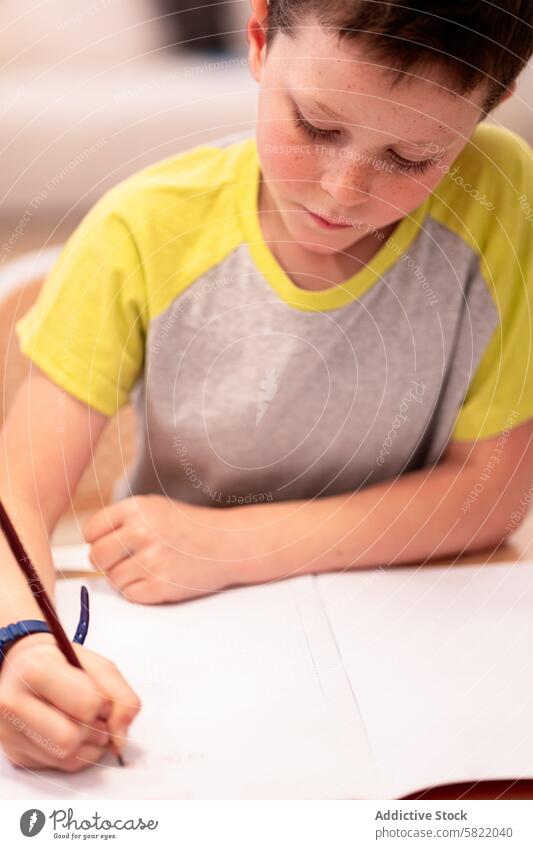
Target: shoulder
490 208
182 214
493 168
198 176
490 175
486 198
495 152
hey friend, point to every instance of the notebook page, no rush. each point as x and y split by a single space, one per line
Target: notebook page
243 693
441 660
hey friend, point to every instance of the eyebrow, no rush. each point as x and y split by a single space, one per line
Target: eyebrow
322 107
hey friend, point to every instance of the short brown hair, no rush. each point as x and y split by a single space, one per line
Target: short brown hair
475 40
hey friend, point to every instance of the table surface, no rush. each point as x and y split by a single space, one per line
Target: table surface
518 548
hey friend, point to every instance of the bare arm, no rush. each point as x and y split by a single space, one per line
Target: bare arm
51 714
470 500
46 443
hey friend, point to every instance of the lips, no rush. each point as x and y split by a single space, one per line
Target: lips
326 222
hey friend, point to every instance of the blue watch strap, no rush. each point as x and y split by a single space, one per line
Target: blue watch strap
15 630
20 629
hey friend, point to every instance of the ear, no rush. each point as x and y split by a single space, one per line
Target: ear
508 93
493 104
255 35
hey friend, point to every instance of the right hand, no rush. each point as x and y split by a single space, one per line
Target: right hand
52 714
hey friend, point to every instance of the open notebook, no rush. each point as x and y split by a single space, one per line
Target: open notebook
371 684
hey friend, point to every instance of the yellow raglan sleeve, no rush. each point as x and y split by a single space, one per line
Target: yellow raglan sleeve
87 329
500 395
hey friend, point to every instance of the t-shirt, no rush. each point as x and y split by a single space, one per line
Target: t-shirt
249 388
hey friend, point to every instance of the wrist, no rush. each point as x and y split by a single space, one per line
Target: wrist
31 640
249 545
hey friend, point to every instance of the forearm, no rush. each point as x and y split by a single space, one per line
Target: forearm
415 517
16 599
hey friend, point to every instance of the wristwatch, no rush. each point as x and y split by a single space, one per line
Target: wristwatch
13 632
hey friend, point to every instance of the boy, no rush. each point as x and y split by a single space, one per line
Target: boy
326 328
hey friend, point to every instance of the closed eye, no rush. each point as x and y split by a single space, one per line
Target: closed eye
410 164
312 131
330 135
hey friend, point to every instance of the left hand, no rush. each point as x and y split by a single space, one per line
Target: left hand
156 549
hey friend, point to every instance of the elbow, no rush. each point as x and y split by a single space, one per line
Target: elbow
496 525
515 518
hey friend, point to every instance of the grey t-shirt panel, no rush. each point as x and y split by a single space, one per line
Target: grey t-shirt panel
245 398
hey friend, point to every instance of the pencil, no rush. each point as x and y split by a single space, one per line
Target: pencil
43 600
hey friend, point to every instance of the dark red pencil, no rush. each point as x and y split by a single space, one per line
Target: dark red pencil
43 600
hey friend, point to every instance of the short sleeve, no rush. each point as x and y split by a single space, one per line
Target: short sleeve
87 329
500 395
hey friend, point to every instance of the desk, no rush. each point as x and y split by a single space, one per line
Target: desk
520 547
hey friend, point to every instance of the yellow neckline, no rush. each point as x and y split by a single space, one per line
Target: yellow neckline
328 299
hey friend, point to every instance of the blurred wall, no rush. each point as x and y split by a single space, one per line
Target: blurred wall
88 94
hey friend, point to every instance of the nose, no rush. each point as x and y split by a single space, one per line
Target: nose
348 184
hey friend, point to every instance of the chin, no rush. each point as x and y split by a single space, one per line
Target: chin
323 250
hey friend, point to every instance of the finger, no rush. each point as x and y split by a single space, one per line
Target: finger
126 572
104 521
97 733
113 548
24 754
30 758
44 726
145 592
125 703
71 691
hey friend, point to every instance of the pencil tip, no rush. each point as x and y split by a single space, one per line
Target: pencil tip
113 748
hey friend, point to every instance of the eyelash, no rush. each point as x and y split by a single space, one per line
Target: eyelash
329 135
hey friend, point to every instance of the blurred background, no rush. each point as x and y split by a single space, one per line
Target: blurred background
91 91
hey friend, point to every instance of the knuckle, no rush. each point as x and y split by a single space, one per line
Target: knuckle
140 535
94 554
153 551
110 665
90 710
68 741
135 593
135 706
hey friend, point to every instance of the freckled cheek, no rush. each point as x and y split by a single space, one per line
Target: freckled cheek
406 194
285 157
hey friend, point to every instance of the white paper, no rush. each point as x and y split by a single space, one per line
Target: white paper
369 684
244 696
441 659
70 558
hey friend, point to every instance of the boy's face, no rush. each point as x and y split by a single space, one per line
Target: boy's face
364 167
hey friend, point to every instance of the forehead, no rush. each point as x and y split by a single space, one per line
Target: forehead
348 78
